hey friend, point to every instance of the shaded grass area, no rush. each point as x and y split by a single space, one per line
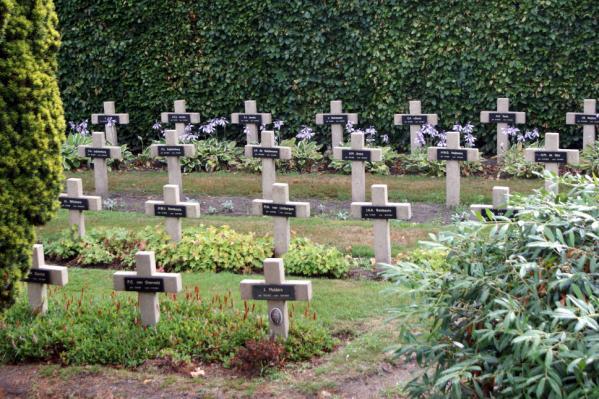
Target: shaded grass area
351 236
301 186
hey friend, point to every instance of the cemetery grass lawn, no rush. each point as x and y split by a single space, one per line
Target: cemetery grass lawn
326 186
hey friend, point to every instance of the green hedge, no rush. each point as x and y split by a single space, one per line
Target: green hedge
293 57
31 133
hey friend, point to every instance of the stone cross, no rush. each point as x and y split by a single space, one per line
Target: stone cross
337 119
453 153
252 119
110 119
276 291
500 206
99 152
381 210
358 154
281 209
503 117
76 203
39 277
173 209
180 117
173 151
147 283
588 118
415 119
268 152
551 155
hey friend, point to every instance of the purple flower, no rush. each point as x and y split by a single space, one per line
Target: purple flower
511 131
110 122
222 121
420 140
469 139
531 134
442 139
426 130
157 126
370 131
306 133
349 126
209 127
385 139
278 124
246 130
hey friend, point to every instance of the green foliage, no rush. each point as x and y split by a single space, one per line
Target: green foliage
31 131
70 154
589 159
83 329
305 155
306 258
417 163
212 155
514 164
297 56
513 313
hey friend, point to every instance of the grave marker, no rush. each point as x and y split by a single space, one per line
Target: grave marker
358 154
147 283
381 210
500 206
337 119
180 117
415 119
39 277
551 155
110 119
252 119
588 118
453 154
281 209
76 203
276 291
269 153
173 151
502 117
173 209
99 152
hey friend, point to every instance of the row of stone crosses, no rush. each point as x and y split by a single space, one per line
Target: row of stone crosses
275 199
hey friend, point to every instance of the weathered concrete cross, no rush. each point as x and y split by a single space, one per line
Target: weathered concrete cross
39 277
337 119
415 119
99 152
588 118
252 119
281 209
500 206
551 155
358 154
276 291
110 119
453 154
180 117
173 209
269 153
147 283
76 203
503 117
381 210
173 151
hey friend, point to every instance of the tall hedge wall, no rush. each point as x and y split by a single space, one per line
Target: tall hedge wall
294 56
31 132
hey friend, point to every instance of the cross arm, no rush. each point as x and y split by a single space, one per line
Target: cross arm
302 288
302 209
376 154
266 117
94 202
402 210
193 116
192 209
284 152
572 156
115 151
520 116
123 119
59 275
172 281
189 150
432 119
353 118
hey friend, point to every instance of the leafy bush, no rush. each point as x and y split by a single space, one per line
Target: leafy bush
305 155
69 153
85 329
306 258
589 159
417 163
513 312
514 163
212 155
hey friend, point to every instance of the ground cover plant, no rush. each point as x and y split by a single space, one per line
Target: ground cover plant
512 312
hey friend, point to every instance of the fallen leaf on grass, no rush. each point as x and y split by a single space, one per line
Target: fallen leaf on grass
198 372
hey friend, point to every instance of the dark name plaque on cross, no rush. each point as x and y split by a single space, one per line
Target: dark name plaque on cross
446 154
273 292
586 119
179 118
170 211
278 210
38 276
171 151
265 152
75 204
334 119
105 119
255 119
551 156
492 213
92 152
414 120
355 155
379 212
502 117
144 284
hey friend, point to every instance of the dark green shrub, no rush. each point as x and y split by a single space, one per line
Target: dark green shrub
589 159
306 258
31 132
513 312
